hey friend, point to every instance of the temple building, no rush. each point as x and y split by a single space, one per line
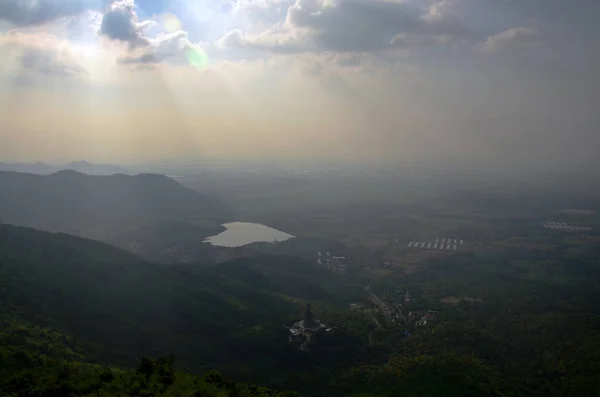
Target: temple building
308 324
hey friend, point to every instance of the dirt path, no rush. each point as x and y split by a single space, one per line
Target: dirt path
375 330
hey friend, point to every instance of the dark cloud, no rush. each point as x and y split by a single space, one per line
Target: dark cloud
121 23
33 12
347 26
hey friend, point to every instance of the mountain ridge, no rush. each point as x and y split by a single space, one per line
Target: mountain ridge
42 168
121 209
80 283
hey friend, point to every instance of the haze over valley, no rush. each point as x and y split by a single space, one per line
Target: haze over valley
287 198
392 263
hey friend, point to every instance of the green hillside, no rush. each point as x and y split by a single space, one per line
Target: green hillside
122 308
70 304
40 362
106 295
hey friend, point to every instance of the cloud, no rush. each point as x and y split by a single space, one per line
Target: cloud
260 14
516 37
440 12
349 26
33 12
38 52
121 23
350 65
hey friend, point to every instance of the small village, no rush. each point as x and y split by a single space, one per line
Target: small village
401 313
336 263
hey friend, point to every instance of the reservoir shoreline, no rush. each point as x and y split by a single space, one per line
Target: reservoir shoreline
238 234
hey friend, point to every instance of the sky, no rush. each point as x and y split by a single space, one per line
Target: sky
498 83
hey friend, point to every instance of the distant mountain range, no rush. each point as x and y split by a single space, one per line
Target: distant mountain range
80 166
124 210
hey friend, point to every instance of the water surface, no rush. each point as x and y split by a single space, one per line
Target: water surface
243 233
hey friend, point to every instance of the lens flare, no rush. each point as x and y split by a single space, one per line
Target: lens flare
197 58
171 23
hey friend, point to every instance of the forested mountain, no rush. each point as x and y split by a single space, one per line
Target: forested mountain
102 294
72 201
69 304
124 308
129 211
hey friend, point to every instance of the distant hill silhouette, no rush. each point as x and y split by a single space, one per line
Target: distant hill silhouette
34 168
94 169
105 208
80 166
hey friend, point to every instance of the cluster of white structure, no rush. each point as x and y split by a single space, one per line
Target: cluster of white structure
439 244
335 263
395 312
579 212
565 227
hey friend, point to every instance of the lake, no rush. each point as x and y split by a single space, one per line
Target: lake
243 233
